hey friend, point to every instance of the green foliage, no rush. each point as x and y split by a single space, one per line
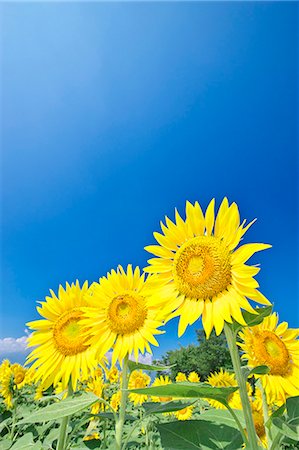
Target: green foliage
199 435
189 390
65 408
209 356
285 427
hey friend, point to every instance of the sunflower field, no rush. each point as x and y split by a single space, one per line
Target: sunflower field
84 386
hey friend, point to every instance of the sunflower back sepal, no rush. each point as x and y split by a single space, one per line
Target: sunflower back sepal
133 365
255 319
259 370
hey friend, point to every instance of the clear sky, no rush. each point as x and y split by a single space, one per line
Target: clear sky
115 114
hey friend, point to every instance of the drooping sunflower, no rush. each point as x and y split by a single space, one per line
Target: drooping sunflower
123 315
277 347
61 352
203 272
138 379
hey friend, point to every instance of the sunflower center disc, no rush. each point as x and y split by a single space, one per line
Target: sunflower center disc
272 352
127 313
67 333
202 267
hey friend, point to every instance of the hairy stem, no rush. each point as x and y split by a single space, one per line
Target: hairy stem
234 352
64 424
119 425
265 412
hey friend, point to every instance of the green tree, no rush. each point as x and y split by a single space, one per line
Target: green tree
206 357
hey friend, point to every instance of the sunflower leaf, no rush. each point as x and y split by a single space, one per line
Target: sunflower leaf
199 435
158 408
288 430
188 390
26 442
64 408
223 416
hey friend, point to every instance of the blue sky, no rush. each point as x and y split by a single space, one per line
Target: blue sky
114 114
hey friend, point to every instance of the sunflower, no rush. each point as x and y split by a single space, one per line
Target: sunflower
6 384
138 380
19 374
96 385
193 377
180 377
115 400
61 351
113 375
222 378
161 381
123 315
277 347
184 414
202 273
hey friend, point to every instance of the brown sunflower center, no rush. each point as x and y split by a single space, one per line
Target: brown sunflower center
202 267
127 313
271 351
67 333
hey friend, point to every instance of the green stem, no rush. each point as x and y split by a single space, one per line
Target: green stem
276 441
265 412
234 353
119 425
64 424
241 429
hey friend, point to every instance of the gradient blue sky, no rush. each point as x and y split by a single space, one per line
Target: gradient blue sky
114 114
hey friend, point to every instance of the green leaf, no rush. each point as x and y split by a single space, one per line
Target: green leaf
223 416
133 365
292 405
189 390
51 437
64 408
5 423
199 435
279 412
286 425
291 431
255 319
259 370
158 408
5 444
26 443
